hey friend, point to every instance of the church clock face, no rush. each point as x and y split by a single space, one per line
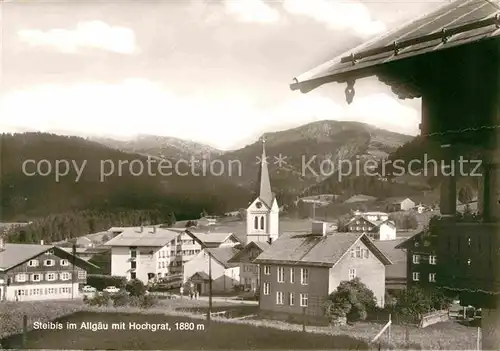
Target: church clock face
258 204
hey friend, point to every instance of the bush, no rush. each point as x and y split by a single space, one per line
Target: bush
134 301
120 299
148 301
352 300
101 300
136 288
102 281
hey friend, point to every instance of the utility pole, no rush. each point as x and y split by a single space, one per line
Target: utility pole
209 312
73 259
314 210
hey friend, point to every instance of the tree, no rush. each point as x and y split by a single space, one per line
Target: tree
351 300
409 221
465 195
136 288
171 219
414 302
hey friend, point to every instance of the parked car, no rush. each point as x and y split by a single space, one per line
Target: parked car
111 289
89 289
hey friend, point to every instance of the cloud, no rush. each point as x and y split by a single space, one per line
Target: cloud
93 34
252 11
224 120
337 14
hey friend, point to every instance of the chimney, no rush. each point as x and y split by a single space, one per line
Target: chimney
41 242
318 228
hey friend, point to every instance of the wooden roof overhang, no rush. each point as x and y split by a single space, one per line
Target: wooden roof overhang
400 57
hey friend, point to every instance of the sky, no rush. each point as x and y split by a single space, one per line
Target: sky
216 72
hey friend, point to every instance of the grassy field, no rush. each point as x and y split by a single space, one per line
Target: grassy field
447 336
216 335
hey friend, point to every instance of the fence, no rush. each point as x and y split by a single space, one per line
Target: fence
434 317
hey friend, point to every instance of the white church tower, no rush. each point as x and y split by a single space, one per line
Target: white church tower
263 213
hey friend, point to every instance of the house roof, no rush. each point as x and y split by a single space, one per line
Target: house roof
223 255
405 244
360 198
134 237
261 246
376 223
396 255
211 238
397 200
16 254
467 21
203 276
315 250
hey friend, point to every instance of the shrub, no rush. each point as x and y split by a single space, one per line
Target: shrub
352 300
148 301
120 299
136 288
102 281
101 300
134 301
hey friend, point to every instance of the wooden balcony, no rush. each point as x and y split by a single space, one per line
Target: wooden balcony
468 256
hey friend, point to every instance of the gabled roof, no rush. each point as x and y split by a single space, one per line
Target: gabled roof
397 200
202 275
464 21
16 254
134 237
211 239
261 246
223 255
406 244
360 198
315 250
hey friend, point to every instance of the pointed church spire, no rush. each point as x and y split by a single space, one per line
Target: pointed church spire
265 193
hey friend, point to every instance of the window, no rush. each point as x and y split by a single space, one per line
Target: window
267 270
64 262
292 299
303 300
82 275
353 253
304 276
50 252
133 253
267 289
256 223
352 273
133 265
36 277
21 278
279 297
416 259
432 259
133 275
292 275
262 222
33 263
432 277
358 252
49 263
366 253
21 292
416 276
65 276
281 275
50 276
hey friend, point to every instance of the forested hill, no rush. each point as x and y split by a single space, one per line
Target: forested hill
122 194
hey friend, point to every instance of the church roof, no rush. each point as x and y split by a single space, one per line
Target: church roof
456 23
265 193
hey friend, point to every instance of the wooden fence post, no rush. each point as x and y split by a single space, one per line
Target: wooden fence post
25 330
407 337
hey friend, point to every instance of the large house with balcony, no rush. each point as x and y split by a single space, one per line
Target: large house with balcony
146 254
300 271
30 272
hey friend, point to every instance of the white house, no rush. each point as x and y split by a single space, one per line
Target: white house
145 253
225 275
400 204
376 225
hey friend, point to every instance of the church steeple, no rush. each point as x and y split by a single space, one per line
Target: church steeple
265 194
